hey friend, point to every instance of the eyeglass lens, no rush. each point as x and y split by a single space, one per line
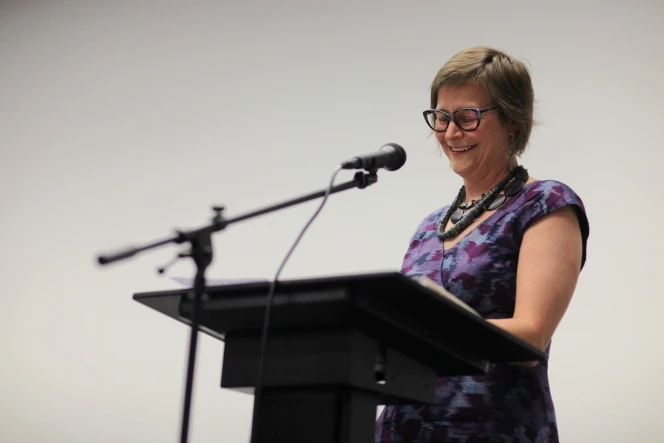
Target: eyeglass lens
464 118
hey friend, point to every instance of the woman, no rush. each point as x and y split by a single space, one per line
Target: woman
508 245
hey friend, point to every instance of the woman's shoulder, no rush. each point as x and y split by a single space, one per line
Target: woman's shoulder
435 215
549 187
542 197
549 195
430 222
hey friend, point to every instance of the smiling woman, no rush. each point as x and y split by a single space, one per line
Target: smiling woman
509 246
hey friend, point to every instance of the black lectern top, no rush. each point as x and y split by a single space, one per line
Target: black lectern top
389 306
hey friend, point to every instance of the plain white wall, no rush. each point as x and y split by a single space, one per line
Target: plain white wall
120 121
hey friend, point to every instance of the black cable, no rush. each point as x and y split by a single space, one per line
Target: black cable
266 320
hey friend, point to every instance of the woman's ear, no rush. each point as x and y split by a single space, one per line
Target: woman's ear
512 129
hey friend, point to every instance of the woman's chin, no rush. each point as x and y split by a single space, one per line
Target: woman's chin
461 168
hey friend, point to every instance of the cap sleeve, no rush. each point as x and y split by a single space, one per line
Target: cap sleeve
543 199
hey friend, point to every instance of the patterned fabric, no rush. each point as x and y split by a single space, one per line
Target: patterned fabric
509 403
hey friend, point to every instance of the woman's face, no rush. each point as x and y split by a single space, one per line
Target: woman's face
474 154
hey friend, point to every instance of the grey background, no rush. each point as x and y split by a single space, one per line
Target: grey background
120 121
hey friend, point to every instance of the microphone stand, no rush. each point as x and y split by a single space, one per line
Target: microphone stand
201 252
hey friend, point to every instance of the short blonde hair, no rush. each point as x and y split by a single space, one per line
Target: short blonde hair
506 80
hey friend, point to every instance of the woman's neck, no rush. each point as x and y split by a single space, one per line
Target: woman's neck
475 187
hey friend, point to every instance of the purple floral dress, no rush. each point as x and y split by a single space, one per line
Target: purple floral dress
509 403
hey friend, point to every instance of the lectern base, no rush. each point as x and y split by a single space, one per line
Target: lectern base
323 386
320 416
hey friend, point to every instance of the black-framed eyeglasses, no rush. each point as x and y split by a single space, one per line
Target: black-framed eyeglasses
466 119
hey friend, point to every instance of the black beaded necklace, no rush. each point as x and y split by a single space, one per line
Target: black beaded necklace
491 200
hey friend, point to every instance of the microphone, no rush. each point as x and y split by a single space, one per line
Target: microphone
390 156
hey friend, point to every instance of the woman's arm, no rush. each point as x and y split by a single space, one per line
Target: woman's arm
548 270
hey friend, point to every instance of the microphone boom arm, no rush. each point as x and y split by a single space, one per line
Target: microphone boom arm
361 181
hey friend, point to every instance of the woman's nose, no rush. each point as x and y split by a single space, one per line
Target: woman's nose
453 132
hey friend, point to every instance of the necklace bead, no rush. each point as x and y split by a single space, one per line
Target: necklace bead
491 200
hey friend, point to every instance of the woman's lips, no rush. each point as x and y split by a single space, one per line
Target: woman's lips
461 149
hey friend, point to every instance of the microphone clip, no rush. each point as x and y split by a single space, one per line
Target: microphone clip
365 179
